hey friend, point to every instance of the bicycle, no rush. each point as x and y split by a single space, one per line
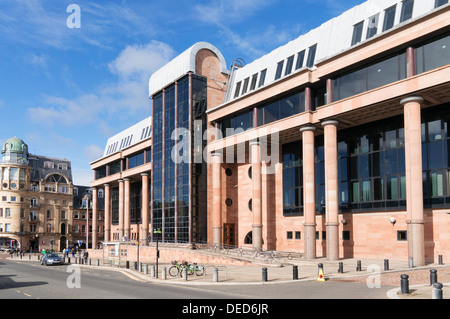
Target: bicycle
197 269
177 268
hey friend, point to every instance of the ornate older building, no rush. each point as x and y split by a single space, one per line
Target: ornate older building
36 199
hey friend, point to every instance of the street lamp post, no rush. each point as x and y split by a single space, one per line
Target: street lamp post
87 198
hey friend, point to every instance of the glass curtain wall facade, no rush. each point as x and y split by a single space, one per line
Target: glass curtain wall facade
178 187
371 166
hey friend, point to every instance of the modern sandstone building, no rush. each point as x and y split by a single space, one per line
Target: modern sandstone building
335 145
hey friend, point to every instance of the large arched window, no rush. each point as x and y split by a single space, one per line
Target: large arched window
53 180
56 178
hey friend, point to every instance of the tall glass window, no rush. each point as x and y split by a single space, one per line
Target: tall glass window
371 167
377 74
136 160
157 148
292 179
237 123
436 157
282 108
433 54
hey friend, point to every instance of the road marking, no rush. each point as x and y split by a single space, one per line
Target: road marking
27 295
131 276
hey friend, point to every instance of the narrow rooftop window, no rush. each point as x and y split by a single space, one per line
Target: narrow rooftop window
389 17
407 10
357 33
311 56
279 70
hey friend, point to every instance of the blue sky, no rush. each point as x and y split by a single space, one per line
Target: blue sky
64 91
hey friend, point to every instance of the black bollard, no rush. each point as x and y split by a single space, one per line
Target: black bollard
294 272
358 265
440 260
404 284
264 274
127 264
433 276
341 268
386 264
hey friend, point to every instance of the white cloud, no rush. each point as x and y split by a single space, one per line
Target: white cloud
122 99
141 60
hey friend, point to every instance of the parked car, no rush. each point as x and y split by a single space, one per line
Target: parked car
51 259
6 250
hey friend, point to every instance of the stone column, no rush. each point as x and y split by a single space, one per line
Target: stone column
217 198
309 201
144 209
94 217
414 188
331 189
107 212
127 208
121 205
255 150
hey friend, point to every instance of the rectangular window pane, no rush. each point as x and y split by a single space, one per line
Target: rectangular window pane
357 33
436 54
300 58
402 187
440 3
435 155
448 183
311 56
437 184
289 64
238 89
290 106
389 17
372 27
253 84
383 72
378 189
366 191
343 193
407 10
355 192
245 87
392 188
279 70
262 77
350 84
270 113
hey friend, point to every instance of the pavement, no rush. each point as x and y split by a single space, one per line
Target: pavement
371 273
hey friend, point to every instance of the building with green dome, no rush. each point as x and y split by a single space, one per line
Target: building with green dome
36 198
